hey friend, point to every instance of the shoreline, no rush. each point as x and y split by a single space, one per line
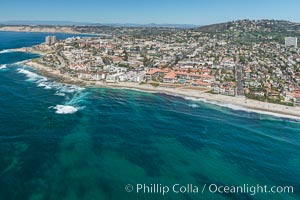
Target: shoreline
37 30
235 103
29 50
48 31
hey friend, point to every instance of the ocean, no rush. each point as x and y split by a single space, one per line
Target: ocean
65 142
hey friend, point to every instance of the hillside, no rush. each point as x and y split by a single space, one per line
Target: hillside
249 31
253 25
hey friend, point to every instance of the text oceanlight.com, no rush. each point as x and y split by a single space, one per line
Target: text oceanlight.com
211 188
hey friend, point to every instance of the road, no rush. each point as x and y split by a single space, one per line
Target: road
239 78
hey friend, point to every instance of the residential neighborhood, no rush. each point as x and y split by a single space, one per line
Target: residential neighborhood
264 69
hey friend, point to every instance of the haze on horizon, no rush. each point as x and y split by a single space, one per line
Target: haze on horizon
197 12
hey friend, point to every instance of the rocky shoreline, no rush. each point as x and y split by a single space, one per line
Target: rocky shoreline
237 103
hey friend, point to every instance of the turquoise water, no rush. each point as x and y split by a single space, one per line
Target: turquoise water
60 141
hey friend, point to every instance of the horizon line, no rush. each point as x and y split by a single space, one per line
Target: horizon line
7 22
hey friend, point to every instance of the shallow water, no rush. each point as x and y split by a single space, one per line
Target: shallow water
59 141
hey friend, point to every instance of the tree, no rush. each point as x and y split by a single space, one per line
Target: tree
145 61
125 57
242 60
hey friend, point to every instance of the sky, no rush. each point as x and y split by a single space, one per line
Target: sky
197 12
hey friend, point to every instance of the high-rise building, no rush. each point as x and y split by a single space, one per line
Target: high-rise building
291 41
53 40
50 40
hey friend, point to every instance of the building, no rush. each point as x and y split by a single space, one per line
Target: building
169 77
47 40
114 77
50 40
291 41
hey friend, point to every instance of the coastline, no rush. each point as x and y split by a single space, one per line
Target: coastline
235 103
26 29
45 30
29 50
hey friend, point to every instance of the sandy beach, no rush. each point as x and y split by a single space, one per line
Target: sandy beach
237 103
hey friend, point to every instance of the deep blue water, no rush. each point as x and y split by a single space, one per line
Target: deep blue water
112 138
12 40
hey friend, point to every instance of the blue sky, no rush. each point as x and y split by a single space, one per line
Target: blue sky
199 12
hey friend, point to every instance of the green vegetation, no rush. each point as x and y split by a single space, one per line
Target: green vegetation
154 84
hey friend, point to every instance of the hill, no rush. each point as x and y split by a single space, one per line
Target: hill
281 26
249 31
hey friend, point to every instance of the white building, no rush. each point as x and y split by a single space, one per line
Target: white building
114 77
50 40
291 41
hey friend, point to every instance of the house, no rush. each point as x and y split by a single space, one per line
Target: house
169 77
297 99
114 77
228 63
200 83
154 73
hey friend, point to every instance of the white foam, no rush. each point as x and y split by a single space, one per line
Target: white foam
47 87
3 66
240 108
31 75
72 105
6 51
57 93
61 88
21 62
201 100
234 107
65 109
78 98
193 105
66 88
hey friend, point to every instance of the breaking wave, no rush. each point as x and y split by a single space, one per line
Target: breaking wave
47 87
31 75
5 51
61 88
72 92
240 108
193 105
72 106
4 66
64 109
57 93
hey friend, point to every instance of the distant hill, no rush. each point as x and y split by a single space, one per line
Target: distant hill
247 32
280 26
